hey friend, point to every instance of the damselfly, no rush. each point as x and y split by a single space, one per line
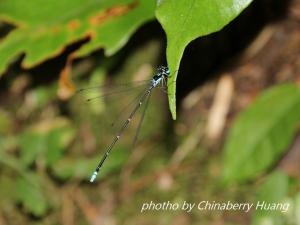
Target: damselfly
159 79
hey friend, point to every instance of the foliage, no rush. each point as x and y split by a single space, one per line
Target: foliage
48 147
42 143
256 140
275 190
42 34
32 195
108 24
193 18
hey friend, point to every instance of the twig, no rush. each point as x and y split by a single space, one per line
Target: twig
220 107
68 210
90 211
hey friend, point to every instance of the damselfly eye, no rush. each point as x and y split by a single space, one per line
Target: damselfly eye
163 70
168 72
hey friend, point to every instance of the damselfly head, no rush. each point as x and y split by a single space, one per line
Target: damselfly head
163 71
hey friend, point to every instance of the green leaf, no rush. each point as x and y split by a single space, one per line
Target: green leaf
184 21
262 133
32 144
57 140
290 213
274 190
31 195
74 167
11 161
45 141
83 168
45 27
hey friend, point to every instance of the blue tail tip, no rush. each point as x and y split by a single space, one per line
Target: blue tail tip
93 177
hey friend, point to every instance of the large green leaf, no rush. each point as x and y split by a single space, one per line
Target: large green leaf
45 27
185 20
262 133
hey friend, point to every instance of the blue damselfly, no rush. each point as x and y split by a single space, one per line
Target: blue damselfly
158 80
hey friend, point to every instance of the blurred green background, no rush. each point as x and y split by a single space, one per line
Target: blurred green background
51 140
